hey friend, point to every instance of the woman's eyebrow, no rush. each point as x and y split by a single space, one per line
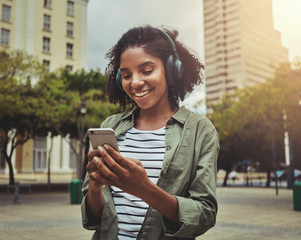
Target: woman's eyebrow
146 63
140 66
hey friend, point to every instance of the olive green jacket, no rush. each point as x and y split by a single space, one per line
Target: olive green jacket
188 173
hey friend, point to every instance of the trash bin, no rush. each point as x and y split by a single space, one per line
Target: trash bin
297 196
76 191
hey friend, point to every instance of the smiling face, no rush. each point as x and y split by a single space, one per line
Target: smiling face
143 79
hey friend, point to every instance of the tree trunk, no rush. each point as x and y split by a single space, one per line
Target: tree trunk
268 183
275 164
9 163
226 178
8 157
11 172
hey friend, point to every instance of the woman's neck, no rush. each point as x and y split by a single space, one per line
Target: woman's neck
152 120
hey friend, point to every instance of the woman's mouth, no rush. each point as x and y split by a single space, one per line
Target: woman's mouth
142 94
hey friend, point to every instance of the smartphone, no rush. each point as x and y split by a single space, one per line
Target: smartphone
101 136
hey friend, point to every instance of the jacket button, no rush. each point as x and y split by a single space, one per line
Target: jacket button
168 147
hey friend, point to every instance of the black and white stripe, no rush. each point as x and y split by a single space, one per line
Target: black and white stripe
149 148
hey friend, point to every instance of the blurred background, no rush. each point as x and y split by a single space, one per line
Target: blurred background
52 66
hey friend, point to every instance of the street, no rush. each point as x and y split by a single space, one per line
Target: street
244 214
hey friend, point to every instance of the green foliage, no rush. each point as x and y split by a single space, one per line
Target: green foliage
251 122
35 102
17 96
88 87
82 81
17 101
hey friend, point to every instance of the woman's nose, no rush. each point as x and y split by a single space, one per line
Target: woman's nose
137 81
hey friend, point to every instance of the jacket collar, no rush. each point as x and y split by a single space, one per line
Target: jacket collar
180 116
130 114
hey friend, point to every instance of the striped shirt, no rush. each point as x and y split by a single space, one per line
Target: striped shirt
149 148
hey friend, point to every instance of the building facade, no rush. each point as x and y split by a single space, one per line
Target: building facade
240 45
56 32
53 30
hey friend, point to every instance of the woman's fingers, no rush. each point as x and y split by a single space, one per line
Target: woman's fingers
104 170
116 170
111 160
92 154
125 163
91 167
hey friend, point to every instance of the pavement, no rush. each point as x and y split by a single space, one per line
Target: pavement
244 214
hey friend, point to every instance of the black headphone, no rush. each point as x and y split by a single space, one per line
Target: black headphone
174 69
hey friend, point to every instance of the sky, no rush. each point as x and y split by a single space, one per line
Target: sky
109 19
287 20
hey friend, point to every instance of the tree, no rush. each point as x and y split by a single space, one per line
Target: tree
88 87
54 111
252 125
231 142
17 114
50 105
287 78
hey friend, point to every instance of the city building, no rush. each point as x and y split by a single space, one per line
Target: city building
56 32
53 30
240 45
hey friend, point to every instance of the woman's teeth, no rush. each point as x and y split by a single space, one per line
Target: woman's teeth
141 94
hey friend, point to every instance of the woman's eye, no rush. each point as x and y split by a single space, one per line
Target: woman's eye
126 77
147 72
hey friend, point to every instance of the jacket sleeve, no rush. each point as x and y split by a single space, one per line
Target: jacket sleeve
109 213
198 207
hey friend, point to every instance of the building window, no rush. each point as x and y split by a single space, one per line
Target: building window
46 64
70 8
47 3
69 67
39 154
5 37
69 29
46 44
6 13
69 50
47 21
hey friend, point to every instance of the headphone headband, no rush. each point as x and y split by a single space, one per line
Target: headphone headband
170 40
174 69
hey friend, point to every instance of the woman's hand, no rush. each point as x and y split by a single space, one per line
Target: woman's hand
95 199
95 176
125 173
107 166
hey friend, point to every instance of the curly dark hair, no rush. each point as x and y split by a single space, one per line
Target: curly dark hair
154 43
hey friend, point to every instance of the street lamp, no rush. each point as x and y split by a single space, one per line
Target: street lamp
288 150
83 111
288 155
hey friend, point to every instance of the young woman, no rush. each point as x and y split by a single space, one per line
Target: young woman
161 185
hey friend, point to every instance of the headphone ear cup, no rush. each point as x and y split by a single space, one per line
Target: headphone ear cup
174 70
178 70
119 80
169 71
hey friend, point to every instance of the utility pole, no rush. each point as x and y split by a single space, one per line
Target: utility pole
288 155
83 111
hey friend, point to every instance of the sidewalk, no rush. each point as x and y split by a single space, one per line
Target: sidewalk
47 216
255 214
244 214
